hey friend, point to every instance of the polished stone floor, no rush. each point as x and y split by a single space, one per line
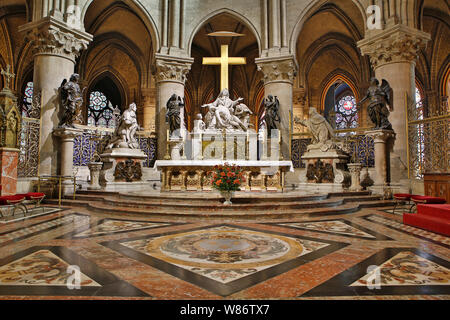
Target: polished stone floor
368 254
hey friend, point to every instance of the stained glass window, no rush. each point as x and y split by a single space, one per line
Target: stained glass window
27 100
420 129
419 104
100 111
346 113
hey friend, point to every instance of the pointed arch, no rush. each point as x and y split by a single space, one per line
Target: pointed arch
230 12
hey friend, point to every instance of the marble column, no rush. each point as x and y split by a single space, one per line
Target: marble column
383 140
55 47
393 53
67 137
170 78
279 74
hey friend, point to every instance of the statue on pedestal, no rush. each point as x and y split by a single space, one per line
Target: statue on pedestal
272 116
125 134
380 97
174 105
71 101
321 131
221 114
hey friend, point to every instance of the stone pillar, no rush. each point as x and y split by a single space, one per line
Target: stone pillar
393 53
279 74
355 171
55 47
383 140
170 77
67 137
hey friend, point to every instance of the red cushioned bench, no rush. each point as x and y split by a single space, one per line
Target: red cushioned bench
403 197
13 203
431 217
35 198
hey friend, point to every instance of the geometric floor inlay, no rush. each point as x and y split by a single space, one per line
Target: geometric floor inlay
224 259
407 269
392 271
45 271
42 267
338 227
113 226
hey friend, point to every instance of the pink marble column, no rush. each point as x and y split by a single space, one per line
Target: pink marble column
8 166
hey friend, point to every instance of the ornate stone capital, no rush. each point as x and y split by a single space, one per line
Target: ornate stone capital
172 69
280 69
381 136
397 44
53 37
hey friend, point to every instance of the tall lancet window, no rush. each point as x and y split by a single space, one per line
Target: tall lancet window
420 127
340 107
100 111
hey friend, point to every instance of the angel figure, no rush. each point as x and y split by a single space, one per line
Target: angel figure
380 97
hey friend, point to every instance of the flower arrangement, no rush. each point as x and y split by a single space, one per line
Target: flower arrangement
227 178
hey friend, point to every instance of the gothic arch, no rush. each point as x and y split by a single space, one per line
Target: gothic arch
308 12
230 12
141 11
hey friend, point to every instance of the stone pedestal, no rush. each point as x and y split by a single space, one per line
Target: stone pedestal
122 170
326 170
8 169
67 137
94 168
355 171
383 140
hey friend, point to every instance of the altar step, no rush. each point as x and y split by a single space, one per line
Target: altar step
209 206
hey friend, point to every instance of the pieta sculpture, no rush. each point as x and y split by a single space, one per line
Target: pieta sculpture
225 113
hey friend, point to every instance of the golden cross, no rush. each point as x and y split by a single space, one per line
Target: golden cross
7 76
224 61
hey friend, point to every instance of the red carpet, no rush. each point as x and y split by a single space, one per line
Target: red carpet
431 217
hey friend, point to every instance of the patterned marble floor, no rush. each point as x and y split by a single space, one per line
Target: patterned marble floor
79 254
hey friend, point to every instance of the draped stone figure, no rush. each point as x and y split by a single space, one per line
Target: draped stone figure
380 97
321 131
125 134
71 101
174 105
272 116
221 113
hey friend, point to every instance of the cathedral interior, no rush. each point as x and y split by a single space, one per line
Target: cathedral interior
94 176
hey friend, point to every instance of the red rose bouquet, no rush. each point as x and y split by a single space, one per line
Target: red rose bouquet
227 178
